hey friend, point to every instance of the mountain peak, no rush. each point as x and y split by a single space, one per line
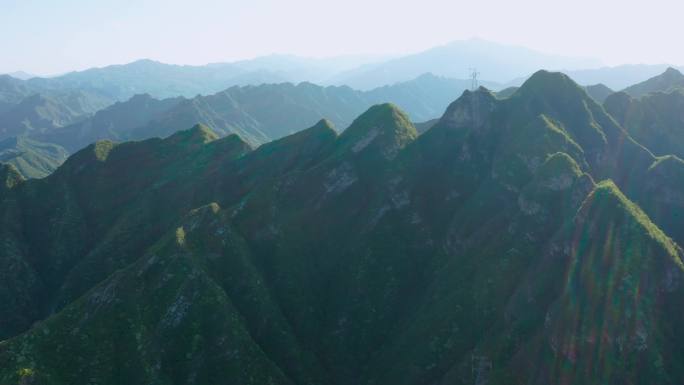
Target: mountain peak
197 134
608 203
673 72
665 82
140 97
324 124
145 62
383 126
599 92
550 83
472 109
315 136
297 150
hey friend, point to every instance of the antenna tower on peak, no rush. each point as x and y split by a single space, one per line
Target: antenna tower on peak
473 74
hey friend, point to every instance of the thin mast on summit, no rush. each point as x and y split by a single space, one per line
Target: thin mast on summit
474 84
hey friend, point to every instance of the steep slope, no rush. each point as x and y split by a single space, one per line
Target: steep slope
40 113
173 320
662 195
424 97
617 77
86 191
31 158
655 120
481 251
668 81
614 318
422 127
599 92
12 91
110 123
263 113
506 92
257 113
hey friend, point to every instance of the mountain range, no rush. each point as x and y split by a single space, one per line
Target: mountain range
70 118
259 114
652 112
527 239
456 60
30 157
364 72
619 77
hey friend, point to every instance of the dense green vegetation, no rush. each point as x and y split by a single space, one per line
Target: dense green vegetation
31 158
655 120
528 239
599 92
258 114
668 81
74 119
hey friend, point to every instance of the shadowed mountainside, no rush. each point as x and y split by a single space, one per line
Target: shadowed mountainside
506 244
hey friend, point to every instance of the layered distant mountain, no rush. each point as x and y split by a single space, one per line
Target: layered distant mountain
12 91
453 60
32 159
618 77
668 81
599 92
456 59
653 112
258 114
615 78
114 122
20 75
522 240
40 113
253 97
75 118
120 82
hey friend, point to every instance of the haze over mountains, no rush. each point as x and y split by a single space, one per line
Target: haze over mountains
258 114
456 60
62 110
517 240
75 109
435 212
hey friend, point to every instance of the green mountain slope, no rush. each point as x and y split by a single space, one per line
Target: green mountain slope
161 80
31 158
12 91
113 122
481 251
609 316
258 114
43 112
618 77
599 92
668 81
655 120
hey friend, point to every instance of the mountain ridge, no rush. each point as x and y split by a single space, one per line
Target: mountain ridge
483 242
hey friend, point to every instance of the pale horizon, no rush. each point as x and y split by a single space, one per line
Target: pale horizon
76 34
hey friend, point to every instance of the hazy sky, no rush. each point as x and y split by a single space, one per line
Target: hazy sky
53 36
